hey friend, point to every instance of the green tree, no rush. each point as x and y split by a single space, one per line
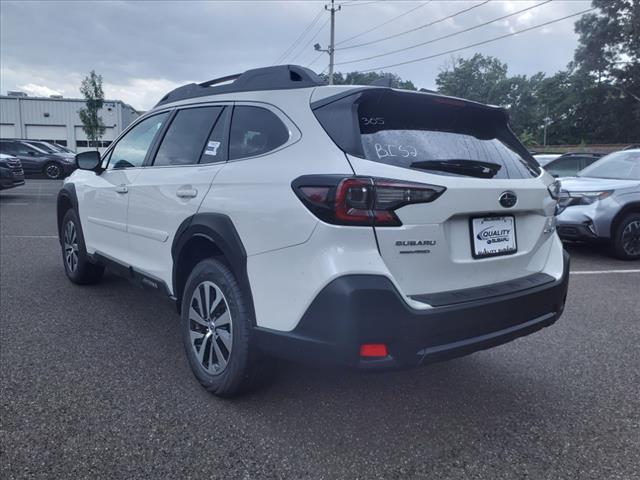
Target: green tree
485 79
92 124
479 78
607 65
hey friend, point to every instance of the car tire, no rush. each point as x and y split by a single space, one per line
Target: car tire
77 266
52 171
218 337
626 240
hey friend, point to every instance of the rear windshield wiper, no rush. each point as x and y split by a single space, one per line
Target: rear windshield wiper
471 168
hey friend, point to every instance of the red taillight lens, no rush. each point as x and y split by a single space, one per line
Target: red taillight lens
354 197
317 195
360 200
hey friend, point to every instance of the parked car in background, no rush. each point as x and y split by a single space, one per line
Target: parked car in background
11 173
602 204
569 164
63 149
36 160
50 148
545 158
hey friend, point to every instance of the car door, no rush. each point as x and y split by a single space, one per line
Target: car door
171 187
103 198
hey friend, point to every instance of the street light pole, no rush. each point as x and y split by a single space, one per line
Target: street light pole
331 45
330 49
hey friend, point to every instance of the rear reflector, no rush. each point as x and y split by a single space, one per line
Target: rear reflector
373 350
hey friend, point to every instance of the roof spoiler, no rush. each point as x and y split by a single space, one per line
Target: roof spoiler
280 77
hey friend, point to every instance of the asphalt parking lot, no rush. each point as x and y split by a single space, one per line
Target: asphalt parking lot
94 383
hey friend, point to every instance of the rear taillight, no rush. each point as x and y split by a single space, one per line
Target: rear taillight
360 200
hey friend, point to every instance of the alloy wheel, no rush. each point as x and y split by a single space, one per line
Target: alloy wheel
53 171
631 238
71 246
210 327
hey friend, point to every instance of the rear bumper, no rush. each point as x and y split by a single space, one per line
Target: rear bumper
360 309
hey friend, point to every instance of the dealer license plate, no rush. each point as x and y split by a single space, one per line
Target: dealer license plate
492 236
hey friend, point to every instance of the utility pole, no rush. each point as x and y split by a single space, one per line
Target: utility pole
546 122
330 50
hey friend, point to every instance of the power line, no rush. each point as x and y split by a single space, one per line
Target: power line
383 23
459 12
445 36
358 4
478 43
292 47
315 60
310 40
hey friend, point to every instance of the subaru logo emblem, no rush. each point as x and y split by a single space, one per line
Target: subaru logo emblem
508 199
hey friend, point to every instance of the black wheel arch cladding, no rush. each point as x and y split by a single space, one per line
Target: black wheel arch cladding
219 230
66 196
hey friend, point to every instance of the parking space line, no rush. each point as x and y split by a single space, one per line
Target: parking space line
38 194
30 236
13 203
596 272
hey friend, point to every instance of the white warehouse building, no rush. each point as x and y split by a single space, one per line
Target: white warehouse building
56 119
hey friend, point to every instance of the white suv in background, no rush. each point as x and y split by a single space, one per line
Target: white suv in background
344 225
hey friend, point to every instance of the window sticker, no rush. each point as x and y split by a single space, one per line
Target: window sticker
212 148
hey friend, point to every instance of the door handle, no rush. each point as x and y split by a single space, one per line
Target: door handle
122 189
186 192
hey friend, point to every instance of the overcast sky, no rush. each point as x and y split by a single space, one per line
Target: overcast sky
143 49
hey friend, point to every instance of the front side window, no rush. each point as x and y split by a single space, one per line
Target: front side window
25 148
187 135
254 131
131 150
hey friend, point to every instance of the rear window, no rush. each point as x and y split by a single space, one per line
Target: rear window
423 132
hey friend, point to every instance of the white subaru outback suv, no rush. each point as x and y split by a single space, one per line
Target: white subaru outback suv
343 225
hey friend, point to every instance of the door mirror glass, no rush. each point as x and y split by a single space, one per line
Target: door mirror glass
89 160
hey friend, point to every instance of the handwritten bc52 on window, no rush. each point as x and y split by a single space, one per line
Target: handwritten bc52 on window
388 150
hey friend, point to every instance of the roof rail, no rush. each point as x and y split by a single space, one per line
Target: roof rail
278 77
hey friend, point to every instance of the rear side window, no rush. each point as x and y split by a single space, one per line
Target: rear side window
15 148
428 133
8 147
255 131
187 135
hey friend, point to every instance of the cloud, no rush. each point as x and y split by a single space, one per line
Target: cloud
38 90
144 49
144 92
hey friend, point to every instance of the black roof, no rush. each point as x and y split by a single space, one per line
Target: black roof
279 77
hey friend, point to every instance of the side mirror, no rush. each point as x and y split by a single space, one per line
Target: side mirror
31 153
89 160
